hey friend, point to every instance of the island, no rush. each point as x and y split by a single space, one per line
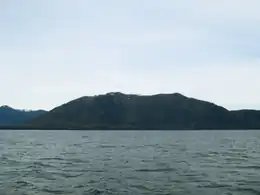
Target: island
119 111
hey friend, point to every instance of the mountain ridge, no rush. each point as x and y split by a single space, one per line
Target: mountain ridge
116 110
12 116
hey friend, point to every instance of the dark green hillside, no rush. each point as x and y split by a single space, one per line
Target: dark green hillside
10 116
162 111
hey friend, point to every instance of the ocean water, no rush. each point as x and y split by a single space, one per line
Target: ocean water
129 162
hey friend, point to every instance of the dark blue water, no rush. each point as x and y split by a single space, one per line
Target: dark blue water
130 162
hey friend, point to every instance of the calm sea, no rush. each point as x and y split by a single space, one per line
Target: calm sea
129 162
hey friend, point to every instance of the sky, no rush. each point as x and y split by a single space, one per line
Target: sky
54 51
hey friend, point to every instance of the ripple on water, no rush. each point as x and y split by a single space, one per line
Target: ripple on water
53 191
57 162
21 184
52 158
157 170
38 164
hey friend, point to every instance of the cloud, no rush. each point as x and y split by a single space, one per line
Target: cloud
54 51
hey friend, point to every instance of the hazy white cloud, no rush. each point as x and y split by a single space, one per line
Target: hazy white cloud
55 50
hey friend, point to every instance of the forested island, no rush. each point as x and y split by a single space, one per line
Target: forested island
118 111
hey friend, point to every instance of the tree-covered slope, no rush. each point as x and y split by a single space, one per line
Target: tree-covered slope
162 111
10 116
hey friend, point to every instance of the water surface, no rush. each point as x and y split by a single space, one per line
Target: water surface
129 162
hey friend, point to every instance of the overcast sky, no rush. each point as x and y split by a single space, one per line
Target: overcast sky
52 51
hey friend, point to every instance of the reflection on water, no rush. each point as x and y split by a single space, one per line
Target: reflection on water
129 162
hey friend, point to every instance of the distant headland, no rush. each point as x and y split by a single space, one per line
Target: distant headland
118 111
